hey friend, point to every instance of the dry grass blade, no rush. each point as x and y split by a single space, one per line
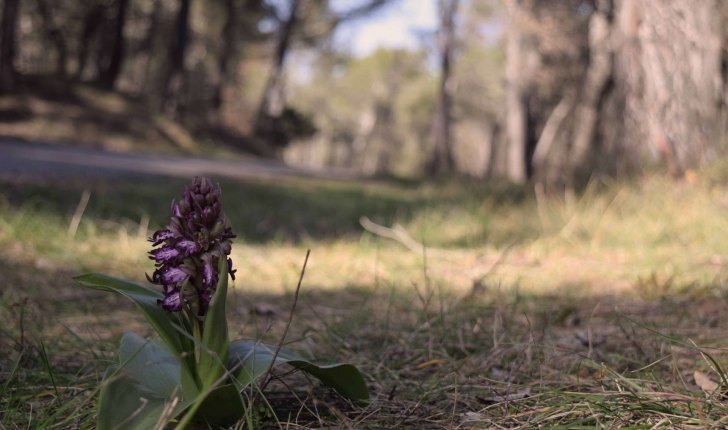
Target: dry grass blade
78 214
267 376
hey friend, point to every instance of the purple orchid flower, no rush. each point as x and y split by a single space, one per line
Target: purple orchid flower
195 239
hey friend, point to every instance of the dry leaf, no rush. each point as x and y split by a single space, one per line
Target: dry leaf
703 381
471 416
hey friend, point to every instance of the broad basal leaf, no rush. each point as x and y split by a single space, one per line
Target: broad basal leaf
152 372
134 394
150 364
256 358
126 404
146 301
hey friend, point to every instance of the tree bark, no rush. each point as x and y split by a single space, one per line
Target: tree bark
665 89
227 53
681 46
109 75
92 21
442 158
516 100
54 34
146 49
175 75
8 74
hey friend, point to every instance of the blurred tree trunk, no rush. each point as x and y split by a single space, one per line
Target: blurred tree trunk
175 75
8 75
272 104
227 53
146 47
516 99
550 132
54 34
91 23
442 159
654 86
599 72
681 50
367 124
110 73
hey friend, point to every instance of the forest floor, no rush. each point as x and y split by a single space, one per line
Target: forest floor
492 307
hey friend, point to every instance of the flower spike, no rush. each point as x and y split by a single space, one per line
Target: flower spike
195 239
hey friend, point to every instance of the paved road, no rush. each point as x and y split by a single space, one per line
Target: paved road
21 161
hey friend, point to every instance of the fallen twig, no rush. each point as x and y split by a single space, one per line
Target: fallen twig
398 233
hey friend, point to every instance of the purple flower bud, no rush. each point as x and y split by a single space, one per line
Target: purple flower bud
205 186
184 207
176 226
208 215
217 228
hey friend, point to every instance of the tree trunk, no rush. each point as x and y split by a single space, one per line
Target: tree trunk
92 21
550 132
367 124
516 100
54 34
227 53
598 74
146 48
175 75
665 101
8 75
681 47
442 158
272 105
109 75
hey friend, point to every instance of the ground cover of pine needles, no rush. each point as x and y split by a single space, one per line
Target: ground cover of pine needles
525 309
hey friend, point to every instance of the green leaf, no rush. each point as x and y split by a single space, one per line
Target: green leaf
256 358
135 393
150 364
151 372
163 322
222 407
215 332
126 404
